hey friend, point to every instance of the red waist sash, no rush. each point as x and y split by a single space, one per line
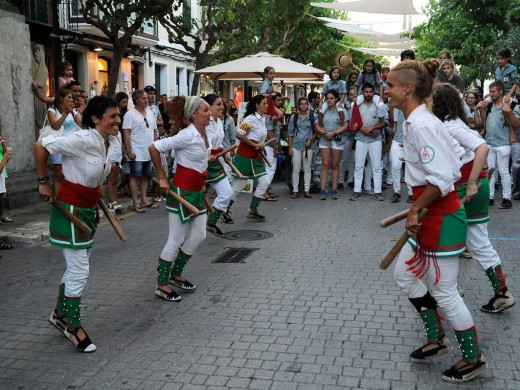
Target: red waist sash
78 195
189 179
442 205
465 171
248 151
216 151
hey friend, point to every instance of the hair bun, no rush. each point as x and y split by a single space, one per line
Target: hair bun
432 66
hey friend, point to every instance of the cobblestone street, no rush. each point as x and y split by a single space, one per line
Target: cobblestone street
308 309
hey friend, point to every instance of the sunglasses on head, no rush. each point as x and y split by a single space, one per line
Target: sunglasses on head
146 122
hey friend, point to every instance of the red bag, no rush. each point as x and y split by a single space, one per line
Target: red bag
270 106
356 122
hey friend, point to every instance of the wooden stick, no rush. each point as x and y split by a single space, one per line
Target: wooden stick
227 150
191 208
209 207
117 227
269 141
72 218
403 214
234 169
389 258
266 161
394 218
490 173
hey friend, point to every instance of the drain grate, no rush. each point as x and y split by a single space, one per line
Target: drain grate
248 235
234 255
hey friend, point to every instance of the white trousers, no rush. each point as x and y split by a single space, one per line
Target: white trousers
373 149
396 152
195 229
273 160
224 194
445 292
298 159
499 157
76 274
346 163
262 185
477 242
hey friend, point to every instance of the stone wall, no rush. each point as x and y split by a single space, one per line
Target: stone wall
17 107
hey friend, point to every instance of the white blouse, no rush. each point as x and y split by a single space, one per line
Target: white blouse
189 147
85 159
468 139
428 152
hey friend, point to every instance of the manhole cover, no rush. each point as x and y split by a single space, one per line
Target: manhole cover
248 235
234 255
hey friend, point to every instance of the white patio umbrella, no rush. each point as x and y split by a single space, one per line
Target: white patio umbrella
252 68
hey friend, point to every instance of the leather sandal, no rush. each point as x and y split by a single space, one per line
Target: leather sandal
59 322
86 345
294 195
307 195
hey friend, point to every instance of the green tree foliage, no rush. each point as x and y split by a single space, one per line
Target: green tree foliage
119 20
231 29
472 30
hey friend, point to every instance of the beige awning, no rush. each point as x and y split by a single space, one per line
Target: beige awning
389 7
252 68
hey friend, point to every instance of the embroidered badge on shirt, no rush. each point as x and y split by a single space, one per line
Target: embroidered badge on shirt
426 154
245 127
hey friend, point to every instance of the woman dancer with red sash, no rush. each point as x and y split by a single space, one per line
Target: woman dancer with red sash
447 106
432 168
192 149
86 164
217 177
249 158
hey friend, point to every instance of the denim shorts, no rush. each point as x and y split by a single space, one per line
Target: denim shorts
56 159
140 168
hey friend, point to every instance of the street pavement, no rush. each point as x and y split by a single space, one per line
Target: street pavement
308 309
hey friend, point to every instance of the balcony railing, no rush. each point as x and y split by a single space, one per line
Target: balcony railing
68 13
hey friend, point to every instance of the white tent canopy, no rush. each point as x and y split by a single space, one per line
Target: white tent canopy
252 68
389 7
379 52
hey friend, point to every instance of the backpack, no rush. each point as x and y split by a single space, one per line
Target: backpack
490 105
311 118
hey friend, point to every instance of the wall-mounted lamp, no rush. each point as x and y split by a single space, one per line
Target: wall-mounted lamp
97 48
130 56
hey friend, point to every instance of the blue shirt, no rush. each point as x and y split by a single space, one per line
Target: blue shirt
497 130
508 75
372 78
331 123
301 132
229 131
369 114
335 85
266 87
399 118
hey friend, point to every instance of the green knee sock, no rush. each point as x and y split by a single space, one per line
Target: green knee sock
180 262
61 308
255 202
469 345
73 306
213 217
163 270
497 279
